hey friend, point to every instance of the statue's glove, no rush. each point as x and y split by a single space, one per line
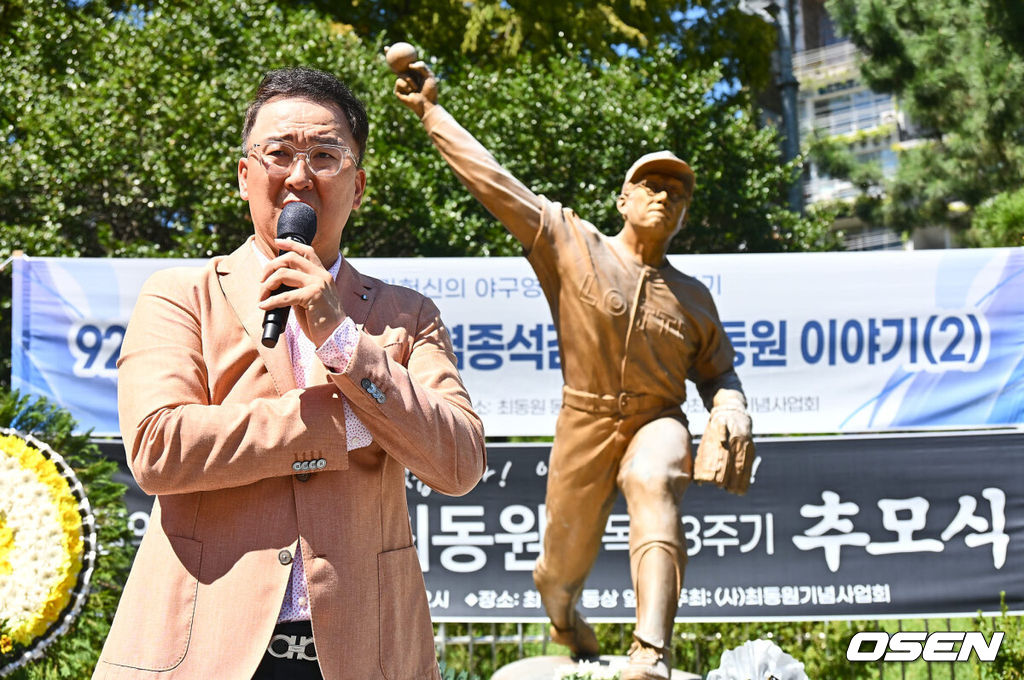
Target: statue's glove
726 452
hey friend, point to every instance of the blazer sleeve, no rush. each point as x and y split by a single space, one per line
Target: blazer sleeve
420 412
177 440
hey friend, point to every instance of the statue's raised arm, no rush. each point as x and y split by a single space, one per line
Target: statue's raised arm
508 199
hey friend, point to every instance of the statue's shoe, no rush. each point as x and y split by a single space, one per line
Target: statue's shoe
647 663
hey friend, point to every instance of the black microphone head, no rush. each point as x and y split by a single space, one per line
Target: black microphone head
297 222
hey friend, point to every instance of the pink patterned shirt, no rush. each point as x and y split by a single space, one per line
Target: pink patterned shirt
335 354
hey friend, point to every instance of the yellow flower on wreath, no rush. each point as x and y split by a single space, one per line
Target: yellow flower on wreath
41 542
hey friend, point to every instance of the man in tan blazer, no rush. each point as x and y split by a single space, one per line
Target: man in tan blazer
280 543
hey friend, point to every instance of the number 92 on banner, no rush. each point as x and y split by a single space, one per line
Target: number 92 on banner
95 346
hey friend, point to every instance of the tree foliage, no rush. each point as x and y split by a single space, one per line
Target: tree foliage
958 68
999 221
121 135
701 32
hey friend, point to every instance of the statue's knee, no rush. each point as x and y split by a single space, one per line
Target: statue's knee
650 483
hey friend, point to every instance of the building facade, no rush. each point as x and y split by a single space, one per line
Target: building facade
835 104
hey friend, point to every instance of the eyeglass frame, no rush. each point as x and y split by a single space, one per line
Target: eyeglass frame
674 196
274 169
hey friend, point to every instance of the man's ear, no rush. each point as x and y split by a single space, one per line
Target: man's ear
360 187
620 204
243 178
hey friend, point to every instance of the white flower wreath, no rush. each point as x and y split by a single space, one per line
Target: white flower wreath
47 548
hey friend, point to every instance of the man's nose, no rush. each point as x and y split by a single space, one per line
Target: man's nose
300 177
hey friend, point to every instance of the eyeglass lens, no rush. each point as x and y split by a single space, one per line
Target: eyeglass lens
323 159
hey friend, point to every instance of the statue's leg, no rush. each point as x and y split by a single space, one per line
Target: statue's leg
654 475
581 489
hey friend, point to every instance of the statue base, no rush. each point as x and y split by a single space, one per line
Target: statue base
544 668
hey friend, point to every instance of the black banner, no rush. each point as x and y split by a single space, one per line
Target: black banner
843 527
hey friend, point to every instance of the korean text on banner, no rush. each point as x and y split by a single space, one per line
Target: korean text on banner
825 342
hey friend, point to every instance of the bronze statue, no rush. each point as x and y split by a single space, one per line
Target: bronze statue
631 329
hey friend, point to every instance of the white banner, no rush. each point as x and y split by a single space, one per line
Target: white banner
826 342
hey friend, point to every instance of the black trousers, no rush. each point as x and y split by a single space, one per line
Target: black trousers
290 654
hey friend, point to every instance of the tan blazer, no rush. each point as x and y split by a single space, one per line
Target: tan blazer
214 427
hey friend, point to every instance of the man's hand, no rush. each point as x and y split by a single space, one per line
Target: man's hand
314 300
726 452
417 88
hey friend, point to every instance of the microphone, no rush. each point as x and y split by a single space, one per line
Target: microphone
297 222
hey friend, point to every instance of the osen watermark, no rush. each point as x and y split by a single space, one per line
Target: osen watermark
911 646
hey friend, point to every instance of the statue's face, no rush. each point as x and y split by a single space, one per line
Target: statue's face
655 203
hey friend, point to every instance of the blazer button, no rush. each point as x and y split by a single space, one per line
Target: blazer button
284 557
380 398
297 466
365 382
302 477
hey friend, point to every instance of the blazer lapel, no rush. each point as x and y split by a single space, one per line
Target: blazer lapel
355 292
239 275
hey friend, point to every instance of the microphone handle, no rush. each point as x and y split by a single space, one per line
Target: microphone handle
275 320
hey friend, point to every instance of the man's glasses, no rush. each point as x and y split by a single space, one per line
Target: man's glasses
323 160
675 193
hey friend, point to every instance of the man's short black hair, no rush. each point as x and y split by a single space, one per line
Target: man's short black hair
316 86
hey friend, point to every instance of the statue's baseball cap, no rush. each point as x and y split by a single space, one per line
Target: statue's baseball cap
664 162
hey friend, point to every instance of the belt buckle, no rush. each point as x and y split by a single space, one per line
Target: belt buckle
292 647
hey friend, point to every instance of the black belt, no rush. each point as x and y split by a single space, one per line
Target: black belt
290 655
292 640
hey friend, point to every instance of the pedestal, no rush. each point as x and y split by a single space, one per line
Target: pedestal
544 667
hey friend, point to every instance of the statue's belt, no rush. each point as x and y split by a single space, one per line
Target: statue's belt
624 403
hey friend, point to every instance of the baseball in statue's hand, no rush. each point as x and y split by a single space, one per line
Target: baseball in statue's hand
400 56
